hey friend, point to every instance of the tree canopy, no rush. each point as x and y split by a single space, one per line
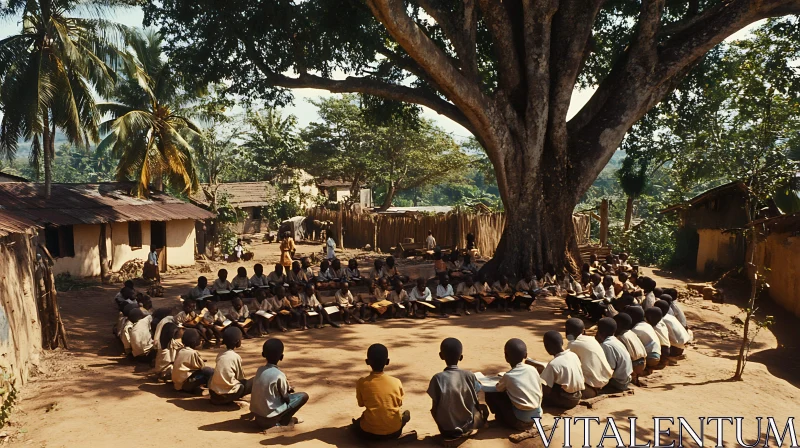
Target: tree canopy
504 70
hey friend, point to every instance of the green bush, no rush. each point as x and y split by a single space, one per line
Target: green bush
650 243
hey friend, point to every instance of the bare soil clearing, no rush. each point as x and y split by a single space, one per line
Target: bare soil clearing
91 396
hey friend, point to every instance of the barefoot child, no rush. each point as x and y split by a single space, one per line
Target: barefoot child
469 295
189 371
399 298
617 355
517 399
239 316
344 300
212 321
228 383
382 396
503 291
454 393
273 401
419 294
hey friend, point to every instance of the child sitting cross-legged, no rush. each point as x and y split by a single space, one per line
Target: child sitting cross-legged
239 316
273 401
595 368
382 396
228 383
454 392
189 371
562 376
517 399
212 321
617 355
170 344
141 339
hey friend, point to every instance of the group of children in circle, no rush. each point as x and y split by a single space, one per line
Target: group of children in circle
639 329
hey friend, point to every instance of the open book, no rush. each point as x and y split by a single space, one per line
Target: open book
446 299
381 304
223 291
331 309
424 303
227 322
312 313
488 383
264 314
207 296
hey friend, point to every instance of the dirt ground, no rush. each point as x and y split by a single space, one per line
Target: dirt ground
91 396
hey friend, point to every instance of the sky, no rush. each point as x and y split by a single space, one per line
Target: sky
307 112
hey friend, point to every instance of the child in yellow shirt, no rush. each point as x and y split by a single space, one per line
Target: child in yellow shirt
382 396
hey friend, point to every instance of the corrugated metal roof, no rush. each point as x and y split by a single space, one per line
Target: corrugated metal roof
10 223
71 204
238 194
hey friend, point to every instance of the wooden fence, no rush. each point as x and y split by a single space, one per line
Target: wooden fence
386 231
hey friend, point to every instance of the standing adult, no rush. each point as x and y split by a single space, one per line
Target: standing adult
331 245
287 250
430 242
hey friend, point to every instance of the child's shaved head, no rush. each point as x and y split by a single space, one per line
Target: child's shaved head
606 327
574 326
377 357
653 315
190 338
624 323
553 342
516 351
663 306
636 313
450 351
272 350
232 337
135 315
128 308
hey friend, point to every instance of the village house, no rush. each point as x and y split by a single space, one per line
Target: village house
247 197
82 223
777 254
336 190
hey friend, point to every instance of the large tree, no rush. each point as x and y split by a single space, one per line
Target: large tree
505 70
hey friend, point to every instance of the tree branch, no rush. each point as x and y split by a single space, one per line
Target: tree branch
537 19
461 34
509 67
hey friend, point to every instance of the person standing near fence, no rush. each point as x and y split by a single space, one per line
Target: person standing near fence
430 242
331 245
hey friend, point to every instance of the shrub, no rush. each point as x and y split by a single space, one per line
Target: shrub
651 243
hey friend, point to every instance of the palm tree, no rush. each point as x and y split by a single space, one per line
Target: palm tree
49 73
632 177
147 127
273 141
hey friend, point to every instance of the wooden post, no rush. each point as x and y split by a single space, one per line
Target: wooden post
604 223
103 250
340 225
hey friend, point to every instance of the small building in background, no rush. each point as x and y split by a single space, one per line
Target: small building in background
82 223
246 197
711 236
337 190
777 253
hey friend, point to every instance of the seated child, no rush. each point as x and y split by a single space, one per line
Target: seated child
310 303
239 316
299 314
345 303
421 293
189 371
305 263
162 315
145 304
518 396
469 295
439 265
646 334
258 279
562 376
525 286
228 383
272 400
212 321
351 272
222 284
336 272
200 292
502 290
296 274
282 308
632 343
379 291
594 366
655 320
610 296
376 273
240 282
277 276
617 355
648 286
674 308
444 290
141 339
125 327
454 392
261 303
382 396
188 316
678 336
390 271
596 308
399 297
171 343
467 266
125 295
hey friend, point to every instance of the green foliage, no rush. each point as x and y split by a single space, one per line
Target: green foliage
650 243
147 128
8 396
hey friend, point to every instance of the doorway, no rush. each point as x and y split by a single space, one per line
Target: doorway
158 238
